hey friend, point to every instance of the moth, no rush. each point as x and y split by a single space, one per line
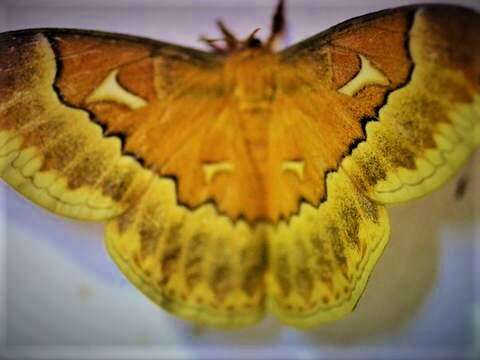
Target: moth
244 180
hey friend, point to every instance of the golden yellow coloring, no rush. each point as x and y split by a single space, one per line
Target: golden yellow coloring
243 181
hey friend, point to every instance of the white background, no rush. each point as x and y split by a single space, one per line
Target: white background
61 297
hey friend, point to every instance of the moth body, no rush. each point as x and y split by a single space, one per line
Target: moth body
252 76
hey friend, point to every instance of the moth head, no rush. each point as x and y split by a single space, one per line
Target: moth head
229 43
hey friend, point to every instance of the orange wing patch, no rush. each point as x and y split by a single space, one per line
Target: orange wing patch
251 110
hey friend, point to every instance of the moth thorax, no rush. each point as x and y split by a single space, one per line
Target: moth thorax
251 79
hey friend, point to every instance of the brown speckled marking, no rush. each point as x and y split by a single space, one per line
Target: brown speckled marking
150 230
305 284
372 169
90 165
117 183
351 223
126 220
396 153
282 274
220 281
256 260
195 257
171 252
337 245
368 207
323 258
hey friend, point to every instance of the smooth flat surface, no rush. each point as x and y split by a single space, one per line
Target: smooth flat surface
61 296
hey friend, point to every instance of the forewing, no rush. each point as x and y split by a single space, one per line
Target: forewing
427 129
68 101
419 68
